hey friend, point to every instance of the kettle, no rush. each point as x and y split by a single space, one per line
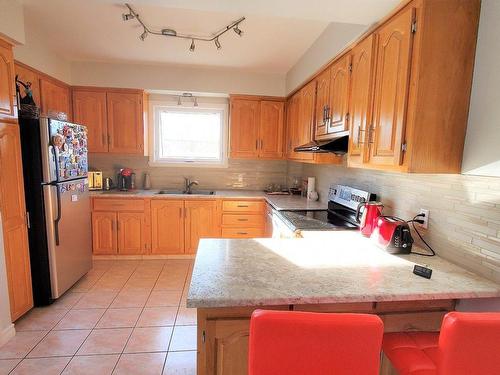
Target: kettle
369 218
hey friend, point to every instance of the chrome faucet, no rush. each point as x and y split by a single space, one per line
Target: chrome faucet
188 184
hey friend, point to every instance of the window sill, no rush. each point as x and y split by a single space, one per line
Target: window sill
186 164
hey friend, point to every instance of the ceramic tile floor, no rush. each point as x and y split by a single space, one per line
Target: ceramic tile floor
123 317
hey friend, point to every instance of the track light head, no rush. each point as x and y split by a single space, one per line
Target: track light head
192 46
128 16
179 100
217 43
238 31
143 35
195 102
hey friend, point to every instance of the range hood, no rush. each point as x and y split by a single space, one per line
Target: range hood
336 145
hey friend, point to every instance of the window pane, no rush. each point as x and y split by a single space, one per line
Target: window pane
190 135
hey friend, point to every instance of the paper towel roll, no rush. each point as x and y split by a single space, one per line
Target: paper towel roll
311 185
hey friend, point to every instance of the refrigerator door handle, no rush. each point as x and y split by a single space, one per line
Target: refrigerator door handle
58 217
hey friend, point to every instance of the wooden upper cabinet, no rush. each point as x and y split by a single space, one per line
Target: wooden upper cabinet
271 129
89 109
167 222
125 123
360 104
339 95
25 75
7 81
104 238
131 233
391 89
292 118
322 104
13 212
55 97
200 222
305 124
245 118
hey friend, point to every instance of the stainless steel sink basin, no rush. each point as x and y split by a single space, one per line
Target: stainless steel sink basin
120 192
194 192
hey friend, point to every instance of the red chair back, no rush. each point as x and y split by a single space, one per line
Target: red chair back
302 343
469 343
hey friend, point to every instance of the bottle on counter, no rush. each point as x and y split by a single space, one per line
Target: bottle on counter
147 181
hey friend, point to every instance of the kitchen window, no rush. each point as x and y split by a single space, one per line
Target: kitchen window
187 135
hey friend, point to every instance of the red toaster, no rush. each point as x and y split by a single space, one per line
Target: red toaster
393 235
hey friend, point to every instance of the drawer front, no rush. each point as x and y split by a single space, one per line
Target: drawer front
235 220
129 205
242 232
243 206
421 321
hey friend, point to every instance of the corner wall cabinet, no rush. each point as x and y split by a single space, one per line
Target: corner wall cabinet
256 127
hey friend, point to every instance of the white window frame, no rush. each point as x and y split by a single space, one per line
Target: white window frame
157 106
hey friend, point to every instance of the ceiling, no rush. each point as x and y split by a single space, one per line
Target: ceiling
276 33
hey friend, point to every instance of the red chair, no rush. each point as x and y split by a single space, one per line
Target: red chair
469 344
302 343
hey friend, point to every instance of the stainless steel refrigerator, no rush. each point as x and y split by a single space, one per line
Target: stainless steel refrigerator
57 198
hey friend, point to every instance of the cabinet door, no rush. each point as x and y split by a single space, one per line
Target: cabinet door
131 238
200 221
306 119
360 103
339 94
167 220
292 119
271 129
13 212
89 109
104 240
7 80
26 75
322 104
125 124
391 90
55 97
227 341
245 117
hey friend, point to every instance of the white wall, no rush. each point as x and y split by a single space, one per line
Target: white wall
6 327
178 78
482 151
335 37
12 21
36 54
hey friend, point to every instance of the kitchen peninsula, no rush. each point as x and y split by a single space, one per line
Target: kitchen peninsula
331 272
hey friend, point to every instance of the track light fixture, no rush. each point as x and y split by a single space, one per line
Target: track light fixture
187 95
173 33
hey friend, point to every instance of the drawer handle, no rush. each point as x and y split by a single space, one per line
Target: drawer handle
242 219
242 233
242 205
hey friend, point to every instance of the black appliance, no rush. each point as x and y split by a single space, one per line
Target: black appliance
55 168
340 215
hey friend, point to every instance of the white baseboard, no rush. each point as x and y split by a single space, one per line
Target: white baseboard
7 333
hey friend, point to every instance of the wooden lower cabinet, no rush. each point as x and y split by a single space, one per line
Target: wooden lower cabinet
104 241
167 224
13 221
243 218
200 221
131 233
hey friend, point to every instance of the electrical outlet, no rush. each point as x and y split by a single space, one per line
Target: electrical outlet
425 218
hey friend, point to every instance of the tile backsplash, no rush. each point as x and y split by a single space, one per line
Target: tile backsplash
240 174
464 219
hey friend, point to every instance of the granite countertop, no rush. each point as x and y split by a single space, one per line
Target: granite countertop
335 267
279 202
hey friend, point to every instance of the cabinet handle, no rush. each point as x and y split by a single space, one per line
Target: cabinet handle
180 212
241 232
242 219
241 205
261 144
185 213
370 137
256 144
